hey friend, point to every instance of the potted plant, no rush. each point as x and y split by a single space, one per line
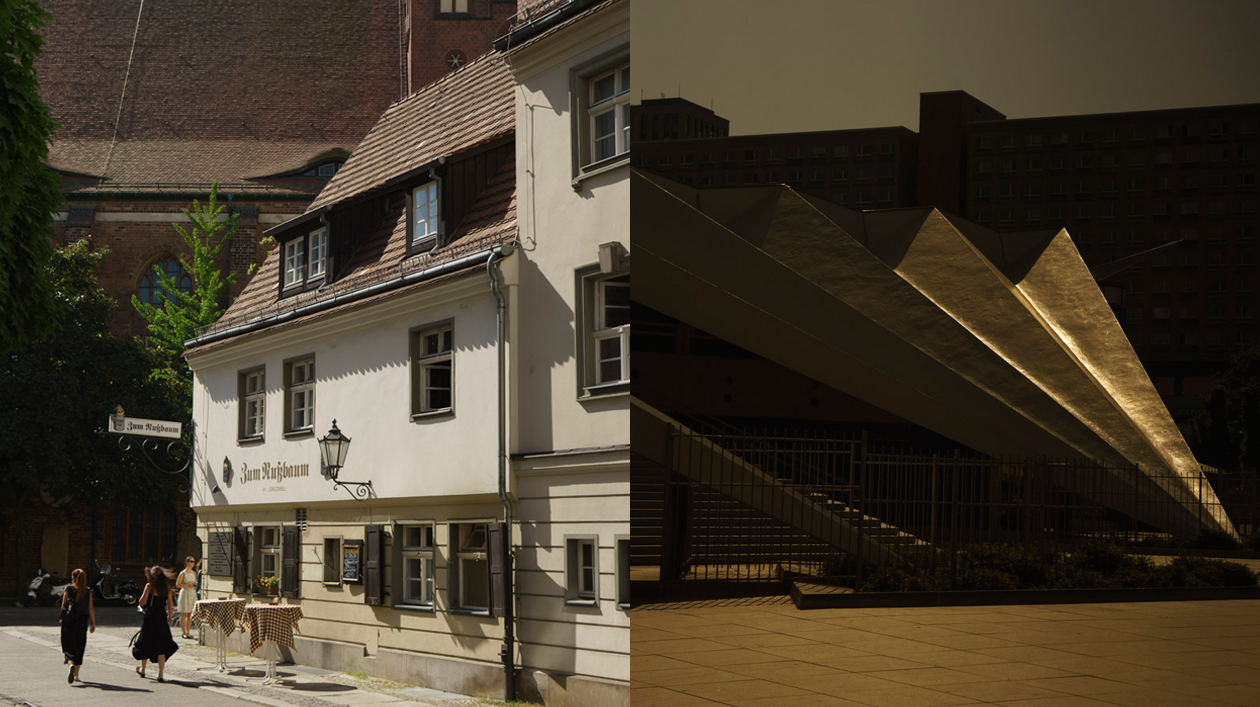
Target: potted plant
268 585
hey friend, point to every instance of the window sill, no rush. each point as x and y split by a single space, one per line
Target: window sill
581 602
333 585
416 607
250 440
624 606
470 612
596 168
432 414
294 434
605 390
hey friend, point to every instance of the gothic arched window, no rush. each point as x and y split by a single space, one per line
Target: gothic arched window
151 290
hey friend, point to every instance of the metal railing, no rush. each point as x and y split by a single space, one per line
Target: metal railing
766 505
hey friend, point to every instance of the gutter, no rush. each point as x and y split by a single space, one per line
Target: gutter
536 27
508 651
353 296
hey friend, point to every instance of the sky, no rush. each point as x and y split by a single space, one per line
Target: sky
796 65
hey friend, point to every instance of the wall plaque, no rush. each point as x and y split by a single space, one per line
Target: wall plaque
351 561
219 554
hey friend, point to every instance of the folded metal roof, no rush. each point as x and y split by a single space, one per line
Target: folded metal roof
1002 342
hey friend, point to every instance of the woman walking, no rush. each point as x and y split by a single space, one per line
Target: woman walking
154 642
78 617
187 585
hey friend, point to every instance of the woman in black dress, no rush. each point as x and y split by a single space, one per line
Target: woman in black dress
155 641
78 619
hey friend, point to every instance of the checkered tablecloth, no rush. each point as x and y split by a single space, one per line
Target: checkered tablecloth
221 614
267 622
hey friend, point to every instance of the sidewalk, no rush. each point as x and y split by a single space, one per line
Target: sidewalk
766 653
193 666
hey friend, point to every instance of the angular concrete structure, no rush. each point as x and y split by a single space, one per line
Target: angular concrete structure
1002 342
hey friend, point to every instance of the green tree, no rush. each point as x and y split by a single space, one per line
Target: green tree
28 189
59 391
182 314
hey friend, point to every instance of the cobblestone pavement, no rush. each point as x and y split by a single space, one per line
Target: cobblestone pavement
766 653
32 672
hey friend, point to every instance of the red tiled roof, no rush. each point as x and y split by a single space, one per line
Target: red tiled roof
464 109
247 88
380 258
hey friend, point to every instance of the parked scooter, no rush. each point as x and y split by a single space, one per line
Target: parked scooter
45 587
108 587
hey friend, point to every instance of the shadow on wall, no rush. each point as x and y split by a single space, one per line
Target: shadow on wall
547 334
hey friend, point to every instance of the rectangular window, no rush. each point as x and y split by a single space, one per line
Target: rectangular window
432 374
305 259
425 216
300 395
253 403
417 562
268 539
609 92
581 558
612 330
471 578
318 253
332 559
457 6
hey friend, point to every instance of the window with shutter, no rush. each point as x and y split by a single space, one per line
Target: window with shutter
290 559
240 570
374 552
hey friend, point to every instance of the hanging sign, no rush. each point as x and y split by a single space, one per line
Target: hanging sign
147 428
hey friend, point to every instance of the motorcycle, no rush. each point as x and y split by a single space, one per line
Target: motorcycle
109 587
45 587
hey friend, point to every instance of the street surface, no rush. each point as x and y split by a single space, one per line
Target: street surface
32 674
767 653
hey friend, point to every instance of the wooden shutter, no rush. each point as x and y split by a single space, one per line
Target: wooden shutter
499 574
290 561
374 565
240 565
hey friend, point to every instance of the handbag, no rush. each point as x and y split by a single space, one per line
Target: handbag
135 650
67 608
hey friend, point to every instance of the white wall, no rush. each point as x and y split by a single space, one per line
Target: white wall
363 381
561 230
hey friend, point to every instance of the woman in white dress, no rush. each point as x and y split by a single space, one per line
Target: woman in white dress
187 584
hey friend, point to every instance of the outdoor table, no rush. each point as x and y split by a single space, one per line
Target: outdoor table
273 625
222 615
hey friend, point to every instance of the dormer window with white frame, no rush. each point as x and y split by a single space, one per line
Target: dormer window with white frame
306 259
426 216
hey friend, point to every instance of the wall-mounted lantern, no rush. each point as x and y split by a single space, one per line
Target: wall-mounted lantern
333 448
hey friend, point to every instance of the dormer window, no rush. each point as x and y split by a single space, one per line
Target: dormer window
426 217
326 169
306 259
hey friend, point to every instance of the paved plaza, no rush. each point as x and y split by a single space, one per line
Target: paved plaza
32 673
767 653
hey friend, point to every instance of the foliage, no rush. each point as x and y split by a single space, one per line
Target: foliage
28 190
267 582
1227 434
1092 565
59 391
180 317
